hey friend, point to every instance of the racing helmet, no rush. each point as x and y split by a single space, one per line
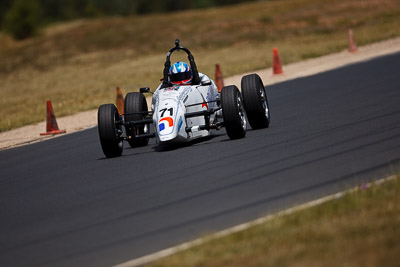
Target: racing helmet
180 73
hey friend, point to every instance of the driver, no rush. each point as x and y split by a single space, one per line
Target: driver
180 73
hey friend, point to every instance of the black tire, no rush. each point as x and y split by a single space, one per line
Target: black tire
233 112
255 101
109 131
136 102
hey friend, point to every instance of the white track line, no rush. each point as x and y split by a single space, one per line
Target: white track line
172 250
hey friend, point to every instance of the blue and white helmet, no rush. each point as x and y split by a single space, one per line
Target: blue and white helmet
180 73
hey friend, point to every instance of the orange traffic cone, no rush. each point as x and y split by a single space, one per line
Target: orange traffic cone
219 80
51 123
120 101
276 63
352 44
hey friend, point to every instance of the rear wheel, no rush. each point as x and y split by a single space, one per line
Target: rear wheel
134 107
255 101
233 112
110 132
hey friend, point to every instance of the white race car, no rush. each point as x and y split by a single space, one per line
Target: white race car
183 112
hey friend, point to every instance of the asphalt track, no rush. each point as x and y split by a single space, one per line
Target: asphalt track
63 204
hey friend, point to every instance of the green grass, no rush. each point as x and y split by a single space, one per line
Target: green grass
79 64
359 229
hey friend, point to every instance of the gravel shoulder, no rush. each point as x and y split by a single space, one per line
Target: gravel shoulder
84 120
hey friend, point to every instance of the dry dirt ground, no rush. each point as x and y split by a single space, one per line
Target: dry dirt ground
81 121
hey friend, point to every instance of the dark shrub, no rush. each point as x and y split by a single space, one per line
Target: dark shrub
22 19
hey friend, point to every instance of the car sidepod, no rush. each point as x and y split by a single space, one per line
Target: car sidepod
196 102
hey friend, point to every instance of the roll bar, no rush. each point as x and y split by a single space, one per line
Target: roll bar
167 65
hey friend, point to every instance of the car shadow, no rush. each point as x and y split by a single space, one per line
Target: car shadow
173 146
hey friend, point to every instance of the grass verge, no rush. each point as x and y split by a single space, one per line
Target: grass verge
79 64
359 229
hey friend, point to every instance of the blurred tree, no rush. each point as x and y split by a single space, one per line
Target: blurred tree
22 19
4 7
92 11
174 5
203 3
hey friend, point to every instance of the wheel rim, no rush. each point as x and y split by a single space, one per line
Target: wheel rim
242 112
264 102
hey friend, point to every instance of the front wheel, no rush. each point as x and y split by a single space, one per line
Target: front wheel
233 112
255 101
110 132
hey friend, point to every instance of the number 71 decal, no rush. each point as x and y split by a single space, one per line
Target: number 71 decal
171 111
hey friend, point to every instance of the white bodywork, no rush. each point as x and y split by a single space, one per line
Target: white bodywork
169 106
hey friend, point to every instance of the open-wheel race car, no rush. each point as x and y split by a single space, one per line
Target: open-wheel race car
186 105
